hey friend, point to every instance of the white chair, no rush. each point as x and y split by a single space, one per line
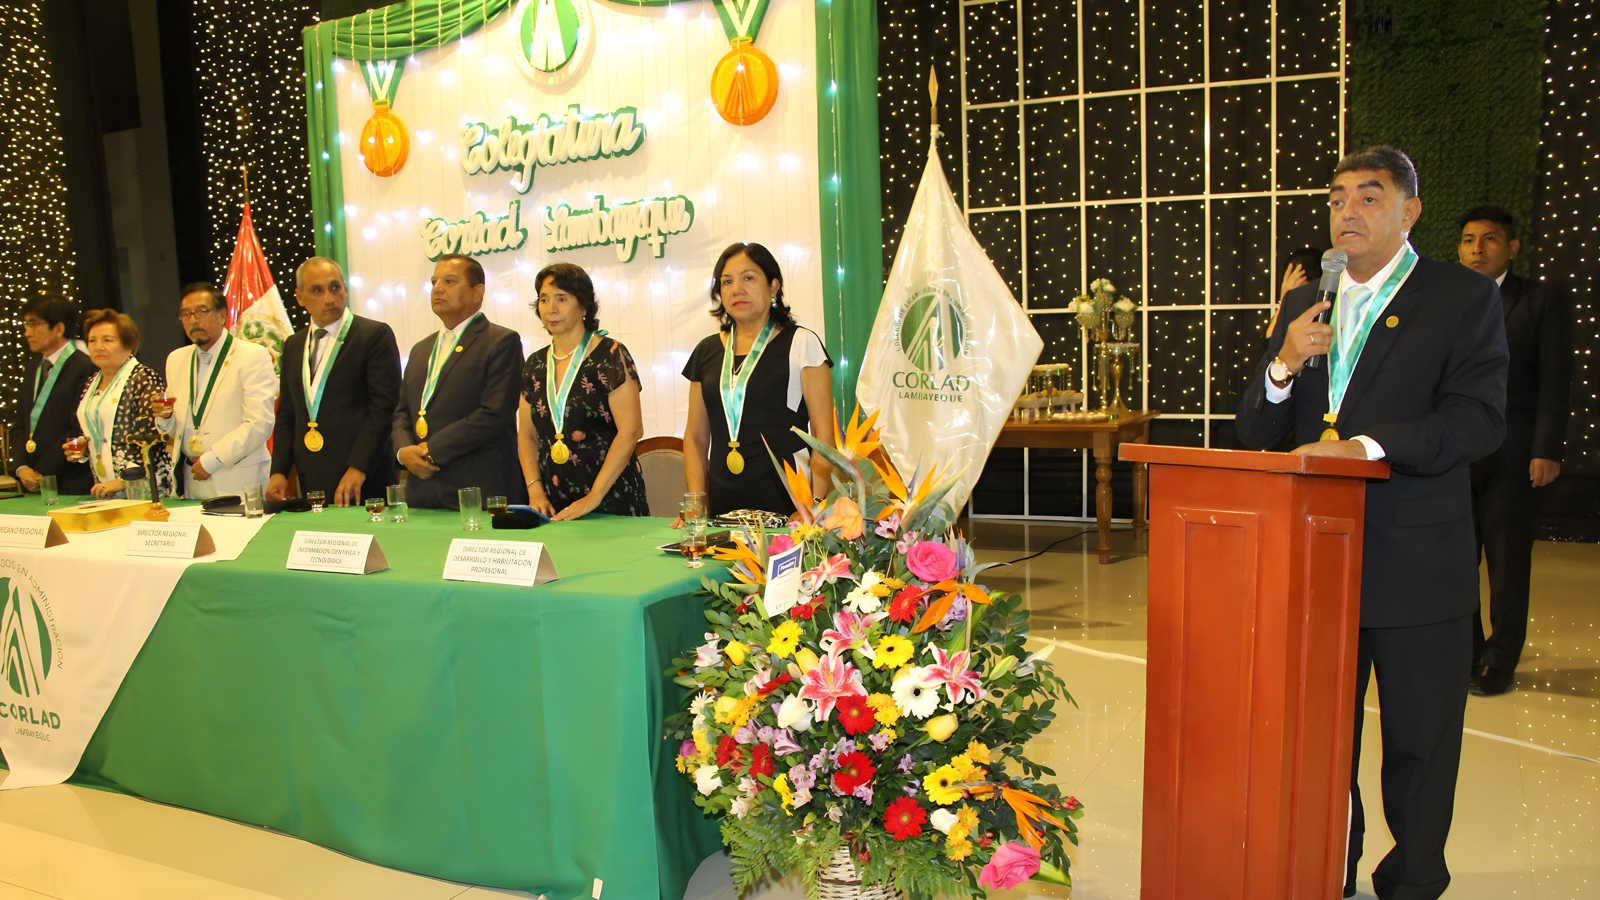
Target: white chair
661 458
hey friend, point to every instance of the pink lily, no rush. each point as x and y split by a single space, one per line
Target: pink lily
849 632
833 568
830 679
951 669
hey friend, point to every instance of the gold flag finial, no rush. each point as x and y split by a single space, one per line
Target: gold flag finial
244 171
933 94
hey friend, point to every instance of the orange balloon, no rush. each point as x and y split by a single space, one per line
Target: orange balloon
744 85
385 143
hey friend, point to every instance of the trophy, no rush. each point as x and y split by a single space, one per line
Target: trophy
143 437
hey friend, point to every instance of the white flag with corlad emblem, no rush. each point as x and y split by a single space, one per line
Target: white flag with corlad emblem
950 350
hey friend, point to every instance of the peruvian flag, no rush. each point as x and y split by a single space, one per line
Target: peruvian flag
255 311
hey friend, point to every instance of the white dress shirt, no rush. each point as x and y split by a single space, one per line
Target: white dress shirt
1277 394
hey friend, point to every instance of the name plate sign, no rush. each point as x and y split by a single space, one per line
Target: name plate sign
169 540
30 532
331 551
499 562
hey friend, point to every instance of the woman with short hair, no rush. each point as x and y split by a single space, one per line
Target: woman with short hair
118 404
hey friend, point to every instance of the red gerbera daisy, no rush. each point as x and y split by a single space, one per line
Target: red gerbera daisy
855 769
728 753
904 818
855 715
805 610
761 760
903 608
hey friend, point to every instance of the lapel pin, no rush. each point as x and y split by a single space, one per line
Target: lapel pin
458 348
1392 321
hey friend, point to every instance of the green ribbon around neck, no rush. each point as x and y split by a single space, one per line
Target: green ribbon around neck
197 409
1346 349
557 395
314 388
94 403
733 386
443 344
43 390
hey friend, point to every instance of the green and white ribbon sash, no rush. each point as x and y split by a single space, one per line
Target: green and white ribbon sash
92 405
383 79
558 395
1346 349
733 386
443 344
197 409
314 388
43 390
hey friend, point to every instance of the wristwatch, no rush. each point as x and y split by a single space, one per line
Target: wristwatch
1278 372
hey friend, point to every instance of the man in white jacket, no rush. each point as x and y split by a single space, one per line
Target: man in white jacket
225 390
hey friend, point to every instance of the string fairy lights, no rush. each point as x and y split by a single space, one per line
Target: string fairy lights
35 241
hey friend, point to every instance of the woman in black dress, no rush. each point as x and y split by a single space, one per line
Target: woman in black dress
585 461
117 405
789 387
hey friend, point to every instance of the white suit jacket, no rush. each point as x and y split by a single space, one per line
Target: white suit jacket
238 419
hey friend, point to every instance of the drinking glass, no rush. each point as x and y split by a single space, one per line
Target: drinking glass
47 490
693 543
694 505
76 450
495 506
396 503
471 500
374 509
253 507
136 488
317 499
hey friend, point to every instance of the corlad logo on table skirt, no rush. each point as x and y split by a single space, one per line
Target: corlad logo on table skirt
30 648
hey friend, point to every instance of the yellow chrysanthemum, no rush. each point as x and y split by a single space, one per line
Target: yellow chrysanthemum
943 785
738 712
967 818
883 709
964 765
807 532
892 652
893 584
702 744
957 848
781 785
785 639
979 753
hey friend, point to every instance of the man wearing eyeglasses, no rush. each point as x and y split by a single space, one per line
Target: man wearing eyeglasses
225 388
51 385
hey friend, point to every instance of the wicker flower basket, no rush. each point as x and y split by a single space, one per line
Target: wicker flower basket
839 880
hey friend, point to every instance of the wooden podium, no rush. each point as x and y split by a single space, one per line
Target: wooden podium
1255 601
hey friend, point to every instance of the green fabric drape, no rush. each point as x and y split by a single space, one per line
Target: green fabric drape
393 32
847 143
847 160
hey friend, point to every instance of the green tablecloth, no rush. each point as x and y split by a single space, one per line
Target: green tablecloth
480 733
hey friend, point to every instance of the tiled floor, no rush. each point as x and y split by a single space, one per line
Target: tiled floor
1526 808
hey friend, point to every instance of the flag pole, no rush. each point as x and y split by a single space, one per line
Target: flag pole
933 100
244 170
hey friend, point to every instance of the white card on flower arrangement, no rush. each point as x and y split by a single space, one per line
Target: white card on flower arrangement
783 580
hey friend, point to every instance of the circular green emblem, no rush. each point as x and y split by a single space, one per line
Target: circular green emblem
931 330
552 38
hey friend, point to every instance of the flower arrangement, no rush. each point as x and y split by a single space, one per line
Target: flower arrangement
886 712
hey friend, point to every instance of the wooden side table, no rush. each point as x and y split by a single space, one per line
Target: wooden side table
1103 438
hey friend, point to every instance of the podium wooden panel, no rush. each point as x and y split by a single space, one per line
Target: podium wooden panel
1255 601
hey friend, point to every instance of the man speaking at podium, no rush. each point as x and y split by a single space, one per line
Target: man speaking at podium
1412 371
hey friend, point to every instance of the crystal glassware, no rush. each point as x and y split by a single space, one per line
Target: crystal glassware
317 499
693 543
374 509
396 504
471 500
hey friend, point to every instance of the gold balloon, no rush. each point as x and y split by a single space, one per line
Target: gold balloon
385 143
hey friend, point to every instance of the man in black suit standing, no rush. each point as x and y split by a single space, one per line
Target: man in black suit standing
337 385
456 423
47 415
1413 372
1504 506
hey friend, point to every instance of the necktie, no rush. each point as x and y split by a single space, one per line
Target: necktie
316 349
44 373
1355 305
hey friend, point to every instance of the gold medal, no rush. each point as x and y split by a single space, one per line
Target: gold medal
1330 433
196 446
422 424
559 454
735 458
31 445
313 438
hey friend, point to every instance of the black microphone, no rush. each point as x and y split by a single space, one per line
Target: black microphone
1333 265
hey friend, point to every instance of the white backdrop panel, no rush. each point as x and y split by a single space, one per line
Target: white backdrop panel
753 183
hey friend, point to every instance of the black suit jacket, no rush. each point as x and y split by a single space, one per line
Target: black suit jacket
1538 385
353 418
472 417
1431 390
58 423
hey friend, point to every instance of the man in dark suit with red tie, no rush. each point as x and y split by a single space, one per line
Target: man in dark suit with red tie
337 385
1414 373
1505 504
